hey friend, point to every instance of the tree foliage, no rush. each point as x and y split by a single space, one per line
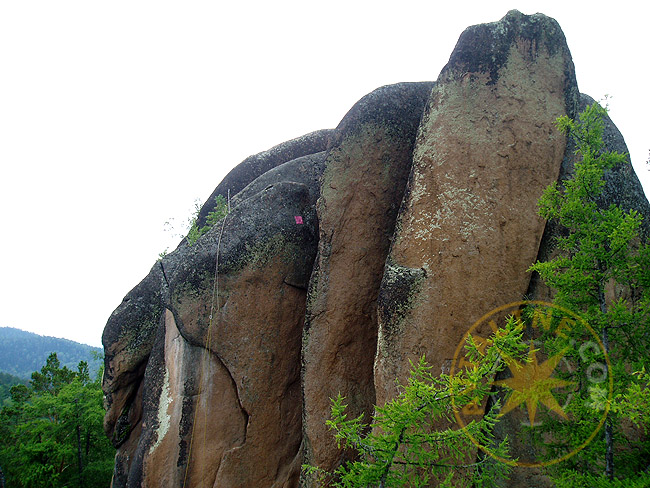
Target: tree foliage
7 381
52 431
634 403
219 211
601 270
404 445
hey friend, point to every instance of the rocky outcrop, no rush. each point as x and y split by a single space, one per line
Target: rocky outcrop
347 253
363 183
128 338
468 228
257 165
222 380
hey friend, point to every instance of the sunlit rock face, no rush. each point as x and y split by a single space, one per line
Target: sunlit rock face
347 252
486 149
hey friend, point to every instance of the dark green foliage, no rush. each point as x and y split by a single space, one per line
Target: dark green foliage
52 431
575 479
404 445
52 376
22 352
6 382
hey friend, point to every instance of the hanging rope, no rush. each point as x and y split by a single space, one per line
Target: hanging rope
206 352
214 306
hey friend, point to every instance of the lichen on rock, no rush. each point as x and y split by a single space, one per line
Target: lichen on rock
347 253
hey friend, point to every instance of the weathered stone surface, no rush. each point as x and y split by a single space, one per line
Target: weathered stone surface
183 385
265 259
468 229
306 170
254 166
362 186
418 216
128 338
262 248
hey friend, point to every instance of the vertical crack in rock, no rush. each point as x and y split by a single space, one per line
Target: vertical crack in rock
240 441
177 374
244 412
193 343
363 183
164 275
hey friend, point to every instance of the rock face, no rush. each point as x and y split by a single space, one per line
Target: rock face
468 229
363 183
347 252
222 381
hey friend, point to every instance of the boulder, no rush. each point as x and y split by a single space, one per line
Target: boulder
267 242
254 166
346 253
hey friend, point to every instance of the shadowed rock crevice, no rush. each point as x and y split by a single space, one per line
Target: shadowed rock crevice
398 288
164 275
128 338
363 182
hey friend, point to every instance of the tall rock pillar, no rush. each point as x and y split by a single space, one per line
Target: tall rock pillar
468 227
363 183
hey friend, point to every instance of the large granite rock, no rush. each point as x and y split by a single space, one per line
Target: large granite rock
258 164
347 252
363 183
468 228
222 359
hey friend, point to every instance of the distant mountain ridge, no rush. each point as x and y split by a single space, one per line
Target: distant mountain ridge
22 352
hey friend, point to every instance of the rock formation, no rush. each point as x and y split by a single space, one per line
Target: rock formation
347 252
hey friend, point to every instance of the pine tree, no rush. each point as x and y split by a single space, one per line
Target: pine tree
601 270
52 430
403 445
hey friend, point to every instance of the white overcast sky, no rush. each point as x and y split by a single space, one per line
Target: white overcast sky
115 116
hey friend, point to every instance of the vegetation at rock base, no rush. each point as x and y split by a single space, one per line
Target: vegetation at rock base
601 270
401 445
52 430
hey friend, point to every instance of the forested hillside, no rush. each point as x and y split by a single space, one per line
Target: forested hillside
6 382
22 353
52 431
